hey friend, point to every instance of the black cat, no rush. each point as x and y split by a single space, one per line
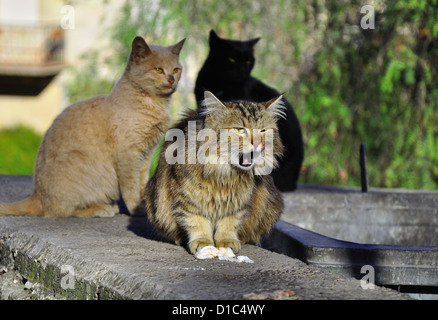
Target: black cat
226 73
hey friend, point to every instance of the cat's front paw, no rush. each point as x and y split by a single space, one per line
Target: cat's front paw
198 244
229 243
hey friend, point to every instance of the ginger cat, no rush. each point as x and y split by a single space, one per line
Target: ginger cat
99 149
223 199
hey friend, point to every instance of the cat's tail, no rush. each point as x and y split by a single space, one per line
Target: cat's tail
28 207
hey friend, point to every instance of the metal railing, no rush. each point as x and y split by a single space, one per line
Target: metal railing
41 45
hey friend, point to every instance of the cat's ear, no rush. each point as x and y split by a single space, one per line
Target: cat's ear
176 49
253 42
276 106
211 102
213 34
213 38
140 49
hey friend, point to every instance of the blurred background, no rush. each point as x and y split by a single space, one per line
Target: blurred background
355 71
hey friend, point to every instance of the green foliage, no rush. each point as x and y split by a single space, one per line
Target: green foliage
85 82
348 85
383 83
19 147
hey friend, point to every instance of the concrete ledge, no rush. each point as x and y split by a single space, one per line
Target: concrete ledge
116 258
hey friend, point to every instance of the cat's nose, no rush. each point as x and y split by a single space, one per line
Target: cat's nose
171 79
255 141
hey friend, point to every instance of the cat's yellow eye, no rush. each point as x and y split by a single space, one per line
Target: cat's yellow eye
240 130
159 70
175 71
231 60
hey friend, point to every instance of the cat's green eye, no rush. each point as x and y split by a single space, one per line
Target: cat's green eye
240 130
159 70
231 60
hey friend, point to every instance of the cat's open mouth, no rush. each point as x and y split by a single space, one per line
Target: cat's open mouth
246 160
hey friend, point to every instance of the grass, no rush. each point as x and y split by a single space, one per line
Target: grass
18 150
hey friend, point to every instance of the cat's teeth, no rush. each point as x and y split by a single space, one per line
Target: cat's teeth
245 160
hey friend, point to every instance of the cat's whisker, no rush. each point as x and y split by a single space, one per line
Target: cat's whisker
226 72
222 214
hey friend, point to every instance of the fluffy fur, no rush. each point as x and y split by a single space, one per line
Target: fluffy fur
227 74
99 149
224 204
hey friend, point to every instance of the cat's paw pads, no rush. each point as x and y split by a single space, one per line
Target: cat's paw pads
229 243
197 244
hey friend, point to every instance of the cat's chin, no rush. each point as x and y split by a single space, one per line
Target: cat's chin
167 91
246 167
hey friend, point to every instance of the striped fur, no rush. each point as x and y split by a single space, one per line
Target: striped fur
198 204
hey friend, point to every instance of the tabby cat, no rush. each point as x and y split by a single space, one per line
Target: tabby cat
100 148
227 74
211 201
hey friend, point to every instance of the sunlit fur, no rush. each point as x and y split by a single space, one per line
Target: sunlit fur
99 149
217 204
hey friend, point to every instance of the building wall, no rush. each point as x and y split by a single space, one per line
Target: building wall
91 21
19 11
35 112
